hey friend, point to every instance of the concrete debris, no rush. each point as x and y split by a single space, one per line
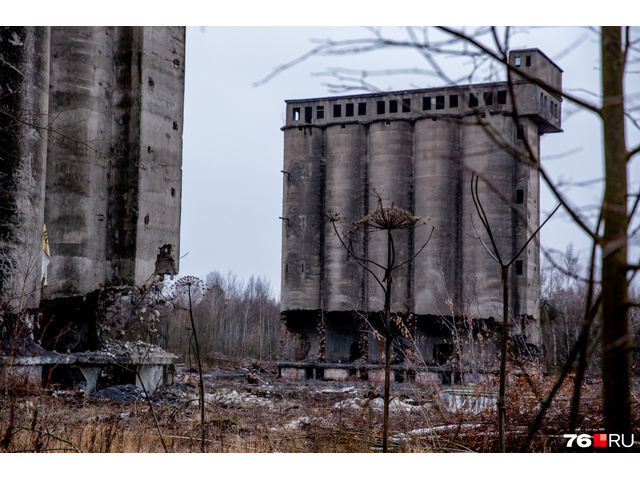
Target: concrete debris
138 347
120 393
377 404
226 398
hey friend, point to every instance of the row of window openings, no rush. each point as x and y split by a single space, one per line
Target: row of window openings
519 267
544 104
518 61
404 105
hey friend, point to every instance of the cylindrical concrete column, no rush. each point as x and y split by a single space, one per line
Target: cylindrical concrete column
481 281
24 90
80 174
346 150
390 175
303 222
437 197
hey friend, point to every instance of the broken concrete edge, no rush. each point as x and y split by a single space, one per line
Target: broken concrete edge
152 370
89 358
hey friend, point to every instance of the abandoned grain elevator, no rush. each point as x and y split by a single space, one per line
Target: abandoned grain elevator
90 153
418 150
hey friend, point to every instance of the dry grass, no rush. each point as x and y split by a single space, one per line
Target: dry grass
275 416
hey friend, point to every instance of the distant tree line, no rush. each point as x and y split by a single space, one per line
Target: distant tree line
234 320
563 288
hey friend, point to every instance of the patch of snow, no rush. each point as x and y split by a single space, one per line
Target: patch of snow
377 404
338 390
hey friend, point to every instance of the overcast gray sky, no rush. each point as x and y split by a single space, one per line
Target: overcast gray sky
233 145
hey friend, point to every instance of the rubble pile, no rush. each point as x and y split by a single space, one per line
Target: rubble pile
120 393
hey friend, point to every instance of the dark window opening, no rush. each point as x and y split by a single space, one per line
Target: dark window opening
319 112
527 60
349 110
308 114
337 111
355 352
520 132
440 102
362 108
296 114
488 98
393 106
426 103
453 101
442 353
473 100
406 105
502 97
380 107
517 61
519 195
173 192
519 267
302 267
286 268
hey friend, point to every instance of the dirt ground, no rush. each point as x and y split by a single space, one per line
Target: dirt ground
250 410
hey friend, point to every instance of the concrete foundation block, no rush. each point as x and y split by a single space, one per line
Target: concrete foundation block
337 374
293 374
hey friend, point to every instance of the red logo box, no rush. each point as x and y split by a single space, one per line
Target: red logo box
600 440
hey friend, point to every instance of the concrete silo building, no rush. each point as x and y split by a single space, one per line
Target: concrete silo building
418 150
91 148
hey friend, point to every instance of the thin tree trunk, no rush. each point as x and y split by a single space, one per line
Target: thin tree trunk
501 404
615 324
195 339
387 348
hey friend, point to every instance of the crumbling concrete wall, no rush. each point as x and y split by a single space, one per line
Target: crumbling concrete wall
24 93
113 200
93 149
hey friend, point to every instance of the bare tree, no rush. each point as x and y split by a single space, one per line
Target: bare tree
617 112
388 220
494 252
